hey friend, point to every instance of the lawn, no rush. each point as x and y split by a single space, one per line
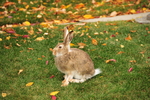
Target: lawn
62 11
126 42
121 49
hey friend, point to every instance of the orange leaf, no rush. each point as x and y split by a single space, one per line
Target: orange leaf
104 44
81 45
128 38
78 6
94 41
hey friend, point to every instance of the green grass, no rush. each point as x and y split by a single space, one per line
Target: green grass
115 83
25 10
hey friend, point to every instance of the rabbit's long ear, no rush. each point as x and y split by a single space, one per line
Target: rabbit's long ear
68 38
65 33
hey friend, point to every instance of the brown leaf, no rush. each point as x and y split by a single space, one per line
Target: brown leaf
7 47
81 45
138 2
94 41
114 13
120 52
133 31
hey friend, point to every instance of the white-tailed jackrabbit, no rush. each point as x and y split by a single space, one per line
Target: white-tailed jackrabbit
74 63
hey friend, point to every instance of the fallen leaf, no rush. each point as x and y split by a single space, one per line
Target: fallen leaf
78 6
104 44
138 2
8 38
146 28
81 45
7 47
53 97
122 46
26 23
50 49
132 11
30 84
110 60
128 38
20 71
39 58
96 33
71 44
25 36
30 48
4 95
133 61
133 31
120 52
39 38
52 76
46 62
94 41
1 39
54 93
88 16
113 14
18 44
130 69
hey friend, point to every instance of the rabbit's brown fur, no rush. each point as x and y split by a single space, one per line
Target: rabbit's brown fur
74 63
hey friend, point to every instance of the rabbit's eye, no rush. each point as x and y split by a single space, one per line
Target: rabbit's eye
60 46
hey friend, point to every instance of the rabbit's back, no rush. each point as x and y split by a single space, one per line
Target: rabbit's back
75 60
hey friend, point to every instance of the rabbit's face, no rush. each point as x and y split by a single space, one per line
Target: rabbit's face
60 50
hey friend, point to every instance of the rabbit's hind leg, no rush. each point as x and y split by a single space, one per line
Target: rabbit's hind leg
77 80
65 82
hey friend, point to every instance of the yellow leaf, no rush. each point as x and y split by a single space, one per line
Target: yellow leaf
8 38
54 93
22 9
39 38
94 41
133 11
20 71
107 61
88 16
29 84
4 94
1 39
27 6
57 22
44 24
26 23
144 9
122 46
